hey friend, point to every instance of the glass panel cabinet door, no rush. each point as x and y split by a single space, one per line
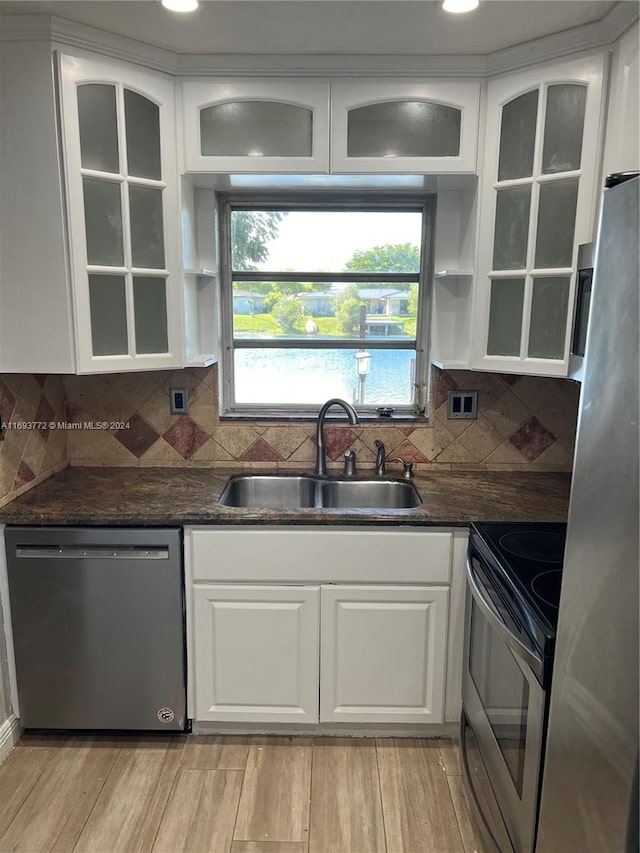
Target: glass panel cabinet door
256 129
538 204
413 126
518 137
404 129
245 125
122 187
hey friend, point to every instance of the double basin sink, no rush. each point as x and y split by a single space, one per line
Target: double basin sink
292 491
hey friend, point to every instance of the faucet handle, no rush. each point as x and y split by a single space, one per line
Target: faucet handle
407 472
350 463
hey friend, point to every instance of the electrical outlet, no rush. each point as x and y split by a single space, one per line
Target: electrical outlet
462 404
179 401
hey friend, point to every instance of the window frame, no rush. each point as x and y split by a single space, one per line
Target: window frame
425 203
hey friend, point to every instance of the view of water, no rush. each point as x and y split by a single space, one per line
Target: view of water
281 376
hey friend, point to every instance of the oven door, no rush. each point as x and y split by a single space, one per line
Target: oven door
504 704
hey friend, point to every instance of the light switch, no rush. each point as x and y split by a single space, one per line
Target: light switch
463 404
179 401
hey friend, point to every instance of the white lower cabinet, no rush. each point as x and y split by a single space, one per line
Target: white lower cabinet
256 653
383 654
332 626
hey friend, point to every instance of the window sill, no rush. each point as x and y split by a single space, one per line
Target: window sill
309 417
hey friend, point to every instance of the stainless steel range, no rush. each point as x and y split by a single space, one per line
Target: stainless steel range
513 576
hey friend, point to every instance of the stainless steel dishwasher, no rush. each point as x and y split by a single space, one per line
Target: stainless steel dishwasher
98 627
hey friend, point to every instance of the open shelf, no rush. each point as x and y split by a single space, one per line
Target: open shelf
453 273
201 272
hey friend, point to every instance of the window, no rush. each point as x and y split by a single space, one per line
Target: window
324 299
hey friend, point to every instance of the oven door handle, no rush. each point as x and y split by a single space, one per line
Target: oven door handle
533 660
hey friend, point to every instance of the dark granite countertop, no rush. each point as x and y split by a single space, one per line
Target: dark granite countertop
177 496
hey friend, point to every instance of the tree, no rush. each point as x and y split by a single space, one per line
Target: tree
288 313
347 310
251 230
398 257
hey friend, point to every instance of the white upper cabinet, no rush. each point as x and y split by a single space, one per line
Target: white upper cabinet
539 194
411 126
622 145
376 126
255 126
118 127
36 326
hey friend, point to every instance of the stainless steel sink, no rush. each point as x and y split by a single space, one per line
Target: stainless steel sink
368 494
292 491
269 491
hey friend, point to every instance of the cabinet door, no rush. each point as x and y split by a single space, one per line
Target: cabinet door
255 126
538 204
256 653
121 175
405 126
383 654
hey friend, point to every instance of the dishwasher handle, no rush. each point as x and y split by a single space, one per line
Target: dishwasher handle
84 552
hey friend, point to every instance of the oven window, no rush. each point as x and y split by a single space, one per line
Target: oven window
504 692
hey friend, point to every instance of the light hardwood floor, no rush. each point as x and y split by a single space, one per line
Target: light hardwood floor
120 794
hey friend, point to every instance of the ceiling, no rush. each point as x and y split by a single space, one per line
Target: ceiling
343 27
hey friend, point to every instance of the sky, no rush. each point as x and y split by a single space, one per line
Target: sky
325 240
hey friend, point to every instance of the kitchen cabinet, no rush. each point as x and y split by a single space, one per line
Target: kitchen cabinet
89 253
256 658
118 126
383 654
539 198
622 142
412 126
363 618
36 322
255 125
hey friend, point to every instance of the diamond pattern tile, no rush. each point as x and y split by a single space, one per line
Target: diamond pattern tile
337 440
260 451
138 438
408 453
186 437
520 421
532 439
23 476
30 455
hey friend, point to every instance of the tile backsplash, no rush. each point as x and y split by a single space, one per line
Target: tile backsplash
30 453
524 423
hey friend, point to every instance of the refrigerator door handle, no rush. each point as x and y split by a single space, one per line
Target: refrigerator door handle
533 660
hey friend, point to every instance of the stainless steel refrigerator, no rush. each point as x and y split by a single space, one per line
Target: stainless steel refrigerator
590 784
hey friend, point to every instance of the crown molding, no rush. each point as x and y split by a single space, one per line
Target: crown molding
331 65
592 36
63 32
67 33
621 18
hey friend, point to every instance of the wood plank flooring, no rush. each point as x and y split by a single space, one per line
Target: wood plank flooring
158 794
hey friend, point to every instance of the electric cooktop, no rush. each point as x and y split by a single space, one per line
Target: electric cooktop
530 555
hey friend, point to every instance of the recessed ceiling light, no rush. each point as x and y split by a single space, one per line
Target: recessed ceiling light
458 6
180 5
